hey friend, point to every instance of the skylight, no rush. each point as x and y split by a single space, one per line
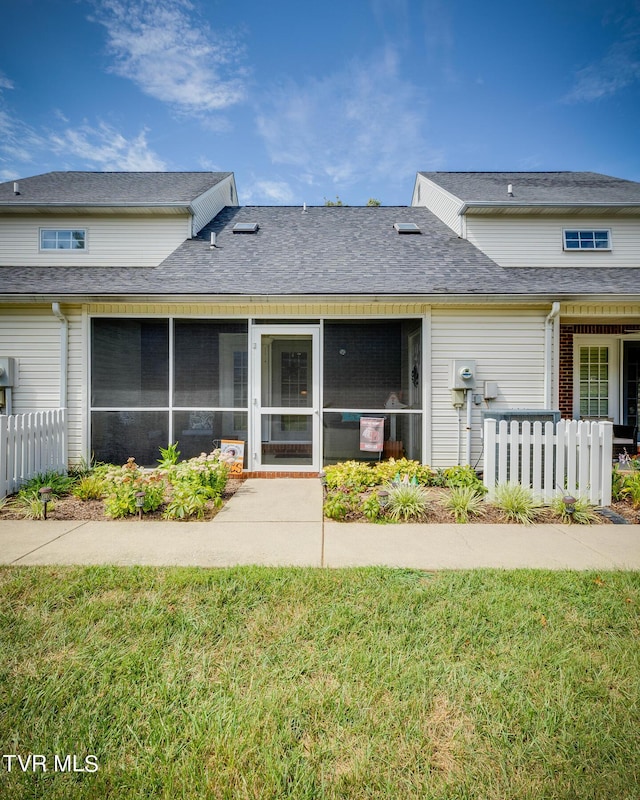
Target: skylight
406 227
245 227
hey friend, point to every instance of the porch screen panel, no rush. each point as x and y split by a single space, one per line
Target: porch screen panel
119 435
362 363
210 359
201 431
129 363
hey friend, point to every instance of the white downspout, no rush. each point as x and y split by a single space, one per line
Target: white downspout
550 345
64 352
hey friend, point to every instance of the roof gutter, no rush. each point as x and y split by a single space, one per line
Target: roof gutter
471 204
551 355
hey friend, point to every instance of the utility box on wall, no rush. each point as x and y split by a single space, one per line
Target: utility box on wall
463 373
8 371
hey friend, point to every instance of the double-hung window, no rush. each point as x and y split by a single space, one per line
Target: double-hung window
587 240
63 239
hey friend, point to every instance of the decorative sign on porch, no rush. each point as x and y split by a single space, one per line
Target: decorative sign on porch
233 452
372 434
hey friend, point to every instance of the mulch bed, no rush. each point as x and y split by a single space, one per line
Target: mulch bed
72 508
437 514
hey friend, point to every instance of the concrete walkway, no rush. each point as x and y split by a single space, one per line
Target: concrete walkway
279 522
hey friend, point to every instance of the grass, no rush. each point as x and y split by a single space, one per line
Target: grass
301 683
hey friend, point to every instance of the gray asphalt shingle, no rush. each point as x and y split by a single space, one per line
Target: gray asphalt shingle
537 187
104 188
329 251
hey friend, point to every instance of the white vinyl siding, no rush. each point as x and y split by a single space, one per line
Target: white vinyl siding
132 241
444 205
208 205
538 241
32 336
508 347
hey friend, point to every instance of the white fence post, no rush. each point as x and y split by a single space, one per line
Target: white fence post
31 444
570 456
489 465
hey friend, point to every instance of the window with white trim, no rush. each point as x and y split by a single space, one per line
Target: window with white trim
63 239
587 240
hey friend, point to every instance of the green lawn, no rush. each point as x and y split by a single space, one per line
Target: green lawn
301 683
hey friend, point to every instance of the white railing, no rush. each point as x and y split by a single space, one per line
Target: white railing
31 444
567 456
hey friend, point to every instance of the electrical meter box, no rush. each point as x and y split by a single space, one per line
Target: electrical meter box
463 374
8 371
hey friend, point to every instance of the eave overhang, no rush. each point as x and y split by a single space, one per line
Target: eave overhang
504 208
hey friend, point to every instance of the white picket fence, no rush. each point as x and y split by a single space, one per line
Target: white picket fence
31 444
550 458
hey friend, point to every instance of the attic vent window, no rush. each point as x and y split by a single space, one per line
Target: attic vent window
406 227
246 227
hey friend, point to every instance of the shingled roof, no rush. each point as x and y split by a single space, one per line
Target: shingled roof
109 188
332 251
550 188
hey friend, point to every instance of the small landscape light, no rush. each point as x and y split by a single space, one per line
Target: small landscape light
140 502
383 498
569 504
45 496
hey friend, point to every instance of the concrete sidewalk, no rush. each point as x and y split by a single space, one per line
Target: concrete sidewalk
279 523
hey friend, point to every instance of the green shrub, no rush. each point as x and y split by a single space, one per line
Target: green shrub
90 487
388 471
370 507
206 470
460 476
584 513
123 483
517 502
617 483
464 502
339 504
30 504
356 475
631 489
170 456
60 484
189 500
407 501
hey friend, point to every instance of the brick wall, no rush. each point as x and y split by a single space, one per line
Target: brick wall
567 332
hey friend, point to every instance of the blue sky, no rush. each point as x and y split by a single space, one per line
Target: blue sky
311 100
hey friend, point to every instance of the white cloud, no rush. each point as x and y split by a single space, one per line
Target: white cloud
19 144
268 192
363 121
5 83
172 55
615 71
107 149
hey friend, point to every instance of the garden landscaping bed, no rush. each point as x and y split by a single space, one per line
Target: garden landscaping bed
72 508
406 491
439 515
